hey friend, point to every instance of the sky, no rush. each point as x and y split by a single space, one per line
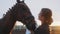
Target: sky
35 7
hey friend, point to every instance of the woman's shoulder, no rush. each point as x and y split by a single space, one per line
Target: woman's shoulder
41 28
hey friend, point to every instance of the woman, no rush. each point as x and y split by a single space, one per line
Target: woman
45 16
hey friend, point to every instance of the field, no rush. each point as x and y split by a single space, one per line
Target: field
54 29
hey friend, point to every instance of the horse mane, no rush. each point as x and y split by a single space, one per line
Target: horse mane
8 20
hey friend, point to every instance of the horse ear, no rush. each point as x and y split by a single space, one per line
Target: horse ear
23 1
18 1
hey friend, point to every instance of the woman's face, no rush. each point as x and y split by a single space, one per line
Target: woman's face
40 17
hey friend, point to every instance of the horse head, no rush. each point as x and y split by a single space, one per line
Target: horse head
23 14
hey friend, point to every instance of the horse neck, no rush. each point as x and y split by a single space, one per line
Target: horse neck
9 18
8 22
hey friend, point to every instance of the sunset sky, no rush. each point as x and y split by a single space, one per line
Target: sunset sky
35 7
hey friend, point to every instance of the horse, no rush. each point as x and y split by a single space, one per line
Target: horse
19 12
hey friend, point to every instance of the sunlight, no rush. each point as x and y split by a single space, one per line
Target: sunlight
18 23
55 24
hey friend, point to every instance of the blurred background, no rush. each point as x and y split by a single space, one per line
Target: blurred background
35 7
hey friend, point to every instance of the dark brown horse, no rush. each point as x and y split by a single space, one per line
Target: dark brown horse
19 12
